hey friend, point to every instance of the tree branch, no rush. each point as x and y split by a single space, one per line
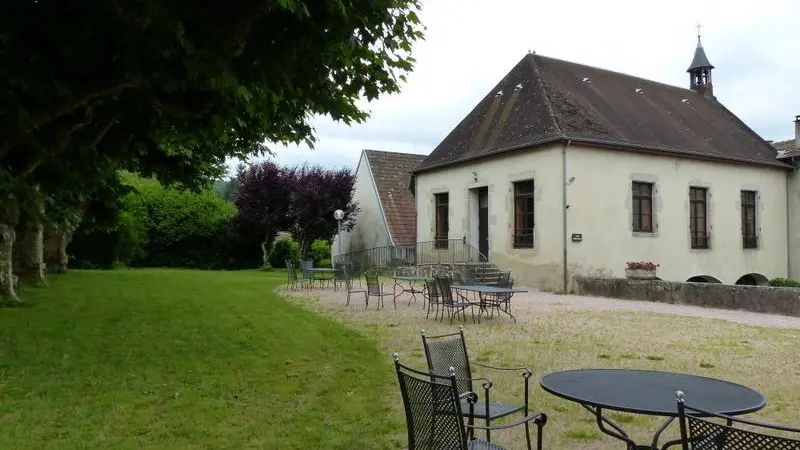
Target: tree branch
78 101
60 142
244 27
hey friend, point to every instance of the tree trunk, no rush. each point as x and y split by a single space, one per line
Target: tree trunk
28 252
56 240
8 281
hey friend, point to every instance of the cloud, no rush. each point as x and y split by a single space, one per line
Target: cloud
471 44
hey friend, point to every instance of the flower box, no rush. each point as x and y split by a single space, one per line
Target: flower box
641 270
640 274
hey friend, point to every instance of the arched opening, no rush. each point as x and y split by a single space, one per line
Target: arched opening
703 279
753 279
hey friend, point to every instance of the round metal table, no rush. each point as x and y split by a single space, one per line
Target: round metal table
648 392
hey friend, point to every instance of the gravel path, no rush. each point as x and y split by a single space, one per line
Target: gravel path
542 302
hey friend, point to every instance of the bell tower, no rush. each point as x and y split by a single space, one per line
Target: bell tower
700 71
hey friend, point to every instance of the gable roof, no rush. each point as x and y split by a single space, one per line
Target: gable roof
786 148
543 100
391 173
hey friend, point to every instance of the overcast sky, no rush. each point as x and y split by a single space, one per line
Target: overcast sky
471 44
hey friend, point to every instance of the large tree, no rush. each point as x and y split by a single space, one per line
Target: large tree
317 194
263 198
174 87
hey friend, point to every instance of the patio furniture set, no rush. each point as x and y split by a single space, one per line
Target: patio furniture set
441 293
443 403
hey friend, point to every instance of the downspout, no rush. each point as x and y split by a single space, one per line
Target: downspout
789 220
564 208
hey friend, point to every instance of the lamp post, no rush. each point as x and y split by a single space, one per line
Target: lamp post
339 215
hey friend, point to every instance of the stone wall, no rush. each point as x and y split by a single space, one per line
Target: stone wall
763 299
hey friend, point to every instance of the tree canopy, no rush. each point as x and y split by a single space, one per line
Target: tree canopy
172 88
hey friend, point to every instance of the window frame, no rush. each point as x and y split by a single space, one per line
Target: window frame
441 201
522 236
638 199
749 240
699 238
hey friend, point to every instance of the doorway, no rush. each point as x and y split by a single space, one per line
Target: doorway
483 223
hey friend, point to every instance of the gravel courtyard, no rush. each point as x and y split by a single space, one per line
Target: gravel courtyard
560 332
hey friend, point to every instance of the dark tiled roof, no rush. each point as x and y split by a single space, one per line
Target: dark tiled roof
546 100
786 148
392 174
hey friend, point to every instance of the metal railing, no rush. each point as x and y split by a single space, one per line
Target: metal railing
451 251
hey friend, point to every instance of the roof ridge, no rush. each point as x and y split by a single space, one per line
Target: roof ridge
626 75
545 94
370 150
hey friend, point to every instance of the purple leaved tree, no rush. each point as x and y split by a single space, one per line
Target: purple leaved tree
263 197
317 193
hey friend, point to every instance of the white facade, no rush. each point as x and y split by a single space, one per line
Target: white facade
370 229
599 199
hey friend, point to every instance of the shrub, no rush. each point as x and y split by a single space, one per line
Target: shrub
165 227
320 253
284 249
783 282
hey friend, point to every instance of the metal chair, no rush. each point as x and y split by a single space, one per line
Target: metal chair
451 304
450 350
699 432
375 289
432 295
348 282
435 416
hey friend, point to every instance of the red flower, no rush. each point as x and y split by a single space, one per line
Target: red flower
643 265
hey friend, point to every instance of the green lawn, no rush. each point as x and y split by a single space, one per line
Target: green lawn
186 359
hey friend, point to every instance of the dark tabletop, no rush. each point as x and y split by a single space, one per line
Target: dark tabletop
651 392
487 289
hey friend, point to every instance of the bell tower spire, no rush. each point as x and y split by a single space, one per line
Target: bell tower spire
700 70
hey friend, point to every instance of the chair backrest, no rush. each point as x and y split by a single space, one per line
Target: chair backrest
445 291
433 410
290 271
433 291
339 272
449 350
307 265
704 433
468 276
373 285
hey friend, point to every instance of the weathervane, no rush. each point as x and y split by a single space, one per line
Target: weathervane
698 30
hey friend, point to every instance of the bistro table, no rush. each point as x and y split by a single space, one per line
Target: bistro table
648 392
320 270
491 290
411 279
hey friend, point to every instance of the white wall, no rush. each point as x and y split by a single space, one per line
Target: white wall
600 209
538 266
794 223
370 228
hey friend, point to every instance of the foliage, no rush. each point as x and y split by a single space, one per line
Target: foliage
172 89
186 353
784 282
283 250
302 199
641 265
321 253
263 198
317 194
164 227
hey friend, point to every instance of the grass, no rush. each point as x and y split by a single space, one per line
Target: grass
178 359
550 337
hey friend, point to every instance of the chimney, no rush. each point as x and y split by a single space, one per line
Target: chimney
796 131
